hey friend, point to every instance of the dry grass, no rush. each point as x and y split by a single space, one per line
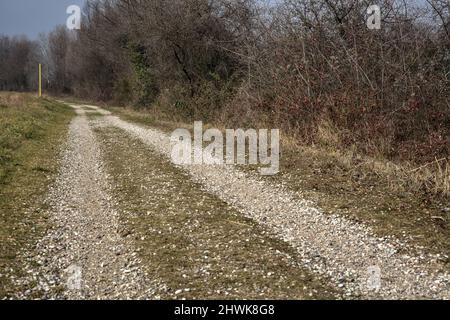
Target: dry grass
430 178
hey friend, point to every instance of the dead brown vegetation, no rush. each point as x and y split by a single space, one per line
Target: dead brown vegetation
310 67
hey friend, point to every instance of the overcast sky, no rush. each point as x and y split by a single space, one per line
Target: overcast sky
31 17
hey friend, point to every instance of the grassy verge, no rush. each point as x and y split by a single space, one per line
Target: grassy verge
31 131
380 194
192 241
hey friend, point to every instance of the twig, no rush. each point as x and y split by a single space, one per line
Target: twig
427 164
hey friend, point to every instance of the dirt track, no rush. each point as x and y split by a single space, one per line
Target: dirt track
338 257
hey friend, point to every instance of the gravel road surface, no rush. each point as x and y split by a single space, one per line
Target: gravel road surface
84 256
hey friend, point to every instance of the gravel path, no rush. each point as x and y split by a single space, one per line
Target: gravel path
345 252
84 256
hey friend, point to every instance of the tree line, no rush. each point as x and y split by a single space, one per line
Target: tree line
312 67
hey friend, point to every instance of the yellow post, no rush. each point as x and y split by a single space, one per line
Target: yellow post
40 80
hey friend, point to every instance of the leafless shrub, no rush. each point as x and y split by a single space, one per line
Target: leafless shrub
307 66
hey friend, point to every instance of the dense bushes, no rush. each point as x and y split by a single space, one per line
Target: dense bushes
307 66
